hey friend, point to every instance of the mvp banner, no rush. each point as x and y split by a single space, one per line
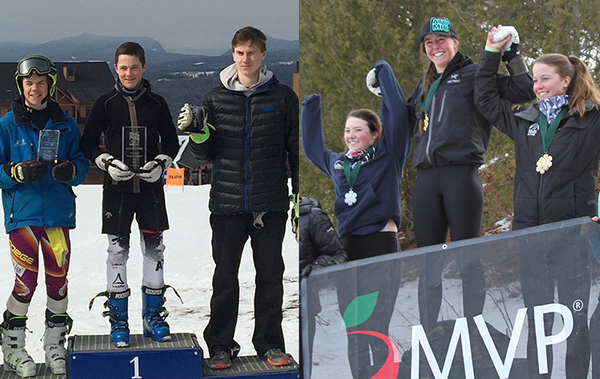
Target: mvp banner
514 305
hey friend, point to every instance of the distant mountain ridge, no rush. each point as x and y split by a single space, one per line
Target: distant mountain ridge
92 47
179 78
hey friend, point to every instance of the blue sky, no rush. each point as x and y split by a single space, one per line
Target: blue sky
186 26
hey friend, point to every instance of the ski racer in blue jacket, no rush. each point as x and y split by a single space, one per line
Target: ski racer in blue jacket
39 209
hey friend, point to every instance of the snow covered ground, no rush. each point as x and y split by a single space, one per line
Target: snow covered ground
188 268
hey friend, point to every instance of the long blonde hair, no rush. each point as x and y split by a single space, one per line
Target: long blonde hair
582 87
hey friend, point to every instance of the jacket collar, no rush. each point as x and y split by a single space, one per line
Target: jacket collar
22 114
532 112
145 86
458 61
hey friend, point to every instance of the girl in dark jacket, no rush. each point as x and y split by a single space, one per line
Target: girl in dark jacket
452 137
557 146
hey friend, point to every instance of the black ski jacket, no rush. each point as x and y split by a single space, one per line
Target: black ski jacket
317 234
114 110
457 132
567 189
254 144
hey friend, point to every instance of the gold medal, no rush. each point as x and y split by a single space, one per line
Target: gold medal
425 122
544 163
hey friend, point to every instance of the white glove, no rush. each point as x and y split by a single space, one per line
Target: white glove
373 82
153 170
185 117
117 170
504 32
192 119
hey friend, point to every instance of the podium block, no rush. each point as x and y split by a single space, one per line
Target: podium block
252 367
96 357
42 373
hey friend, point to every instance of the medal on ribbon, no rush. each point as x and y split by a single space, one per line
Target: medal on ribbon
545 162
350 198
426 102
351 172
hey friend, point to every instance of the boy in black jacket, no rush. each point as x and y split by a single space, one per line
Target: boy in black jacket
141 141
253 143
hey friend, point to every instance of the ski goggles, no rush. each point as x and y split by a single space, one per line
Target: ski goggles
41 65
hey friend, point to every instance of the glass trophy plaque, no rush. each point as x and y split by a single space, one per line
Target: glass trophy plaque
134 147
48 145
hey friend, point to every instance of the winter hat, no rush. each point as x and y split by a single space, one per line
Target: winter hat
437 25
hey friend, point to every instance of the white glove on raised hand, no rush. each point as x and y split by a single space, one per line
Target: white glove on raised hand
192 119
373 82
117 170
153 170
502 33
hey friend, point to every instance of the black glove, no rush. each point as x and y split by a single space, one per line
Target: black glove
26 172
64 172
322 261
512 53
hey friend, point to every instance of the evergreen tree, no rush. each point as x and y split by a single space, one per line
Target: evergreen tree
341 40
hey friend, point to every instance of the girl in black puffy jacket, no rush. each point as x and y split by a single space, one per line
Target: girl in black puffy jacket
557 146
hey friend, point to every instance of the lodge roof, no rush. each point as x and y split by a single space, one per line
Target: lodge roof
90 80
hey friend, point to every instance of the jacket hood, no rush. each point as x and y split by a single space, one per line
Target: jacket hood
306 203
229 78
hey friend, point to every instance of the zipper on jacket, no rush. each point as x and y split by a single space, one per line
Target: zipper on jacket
12 206
539 199
433 101
247 158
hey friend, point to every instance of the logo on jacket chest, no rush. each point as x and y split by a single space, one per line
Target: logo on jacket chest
533 129
338 165
453 78
20 142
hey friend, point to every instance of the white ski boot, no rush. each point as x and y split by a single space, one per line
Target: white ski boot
16 358
57 327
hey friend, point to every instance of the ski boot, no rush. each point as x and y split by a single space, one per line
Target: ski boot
117 315
57 327
154 313
16 357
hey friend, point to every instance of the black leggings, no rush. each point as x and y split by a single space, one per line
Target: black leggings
362 347
564 265
446 199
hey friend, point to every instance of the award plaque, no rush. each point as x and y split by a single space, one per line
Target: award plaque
134 147
48 145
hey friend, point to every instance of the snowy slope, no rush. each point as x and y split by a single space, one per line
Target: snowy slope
188 268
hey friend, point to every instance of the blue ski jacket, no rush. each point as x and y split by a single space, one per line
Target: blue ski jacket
46 202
